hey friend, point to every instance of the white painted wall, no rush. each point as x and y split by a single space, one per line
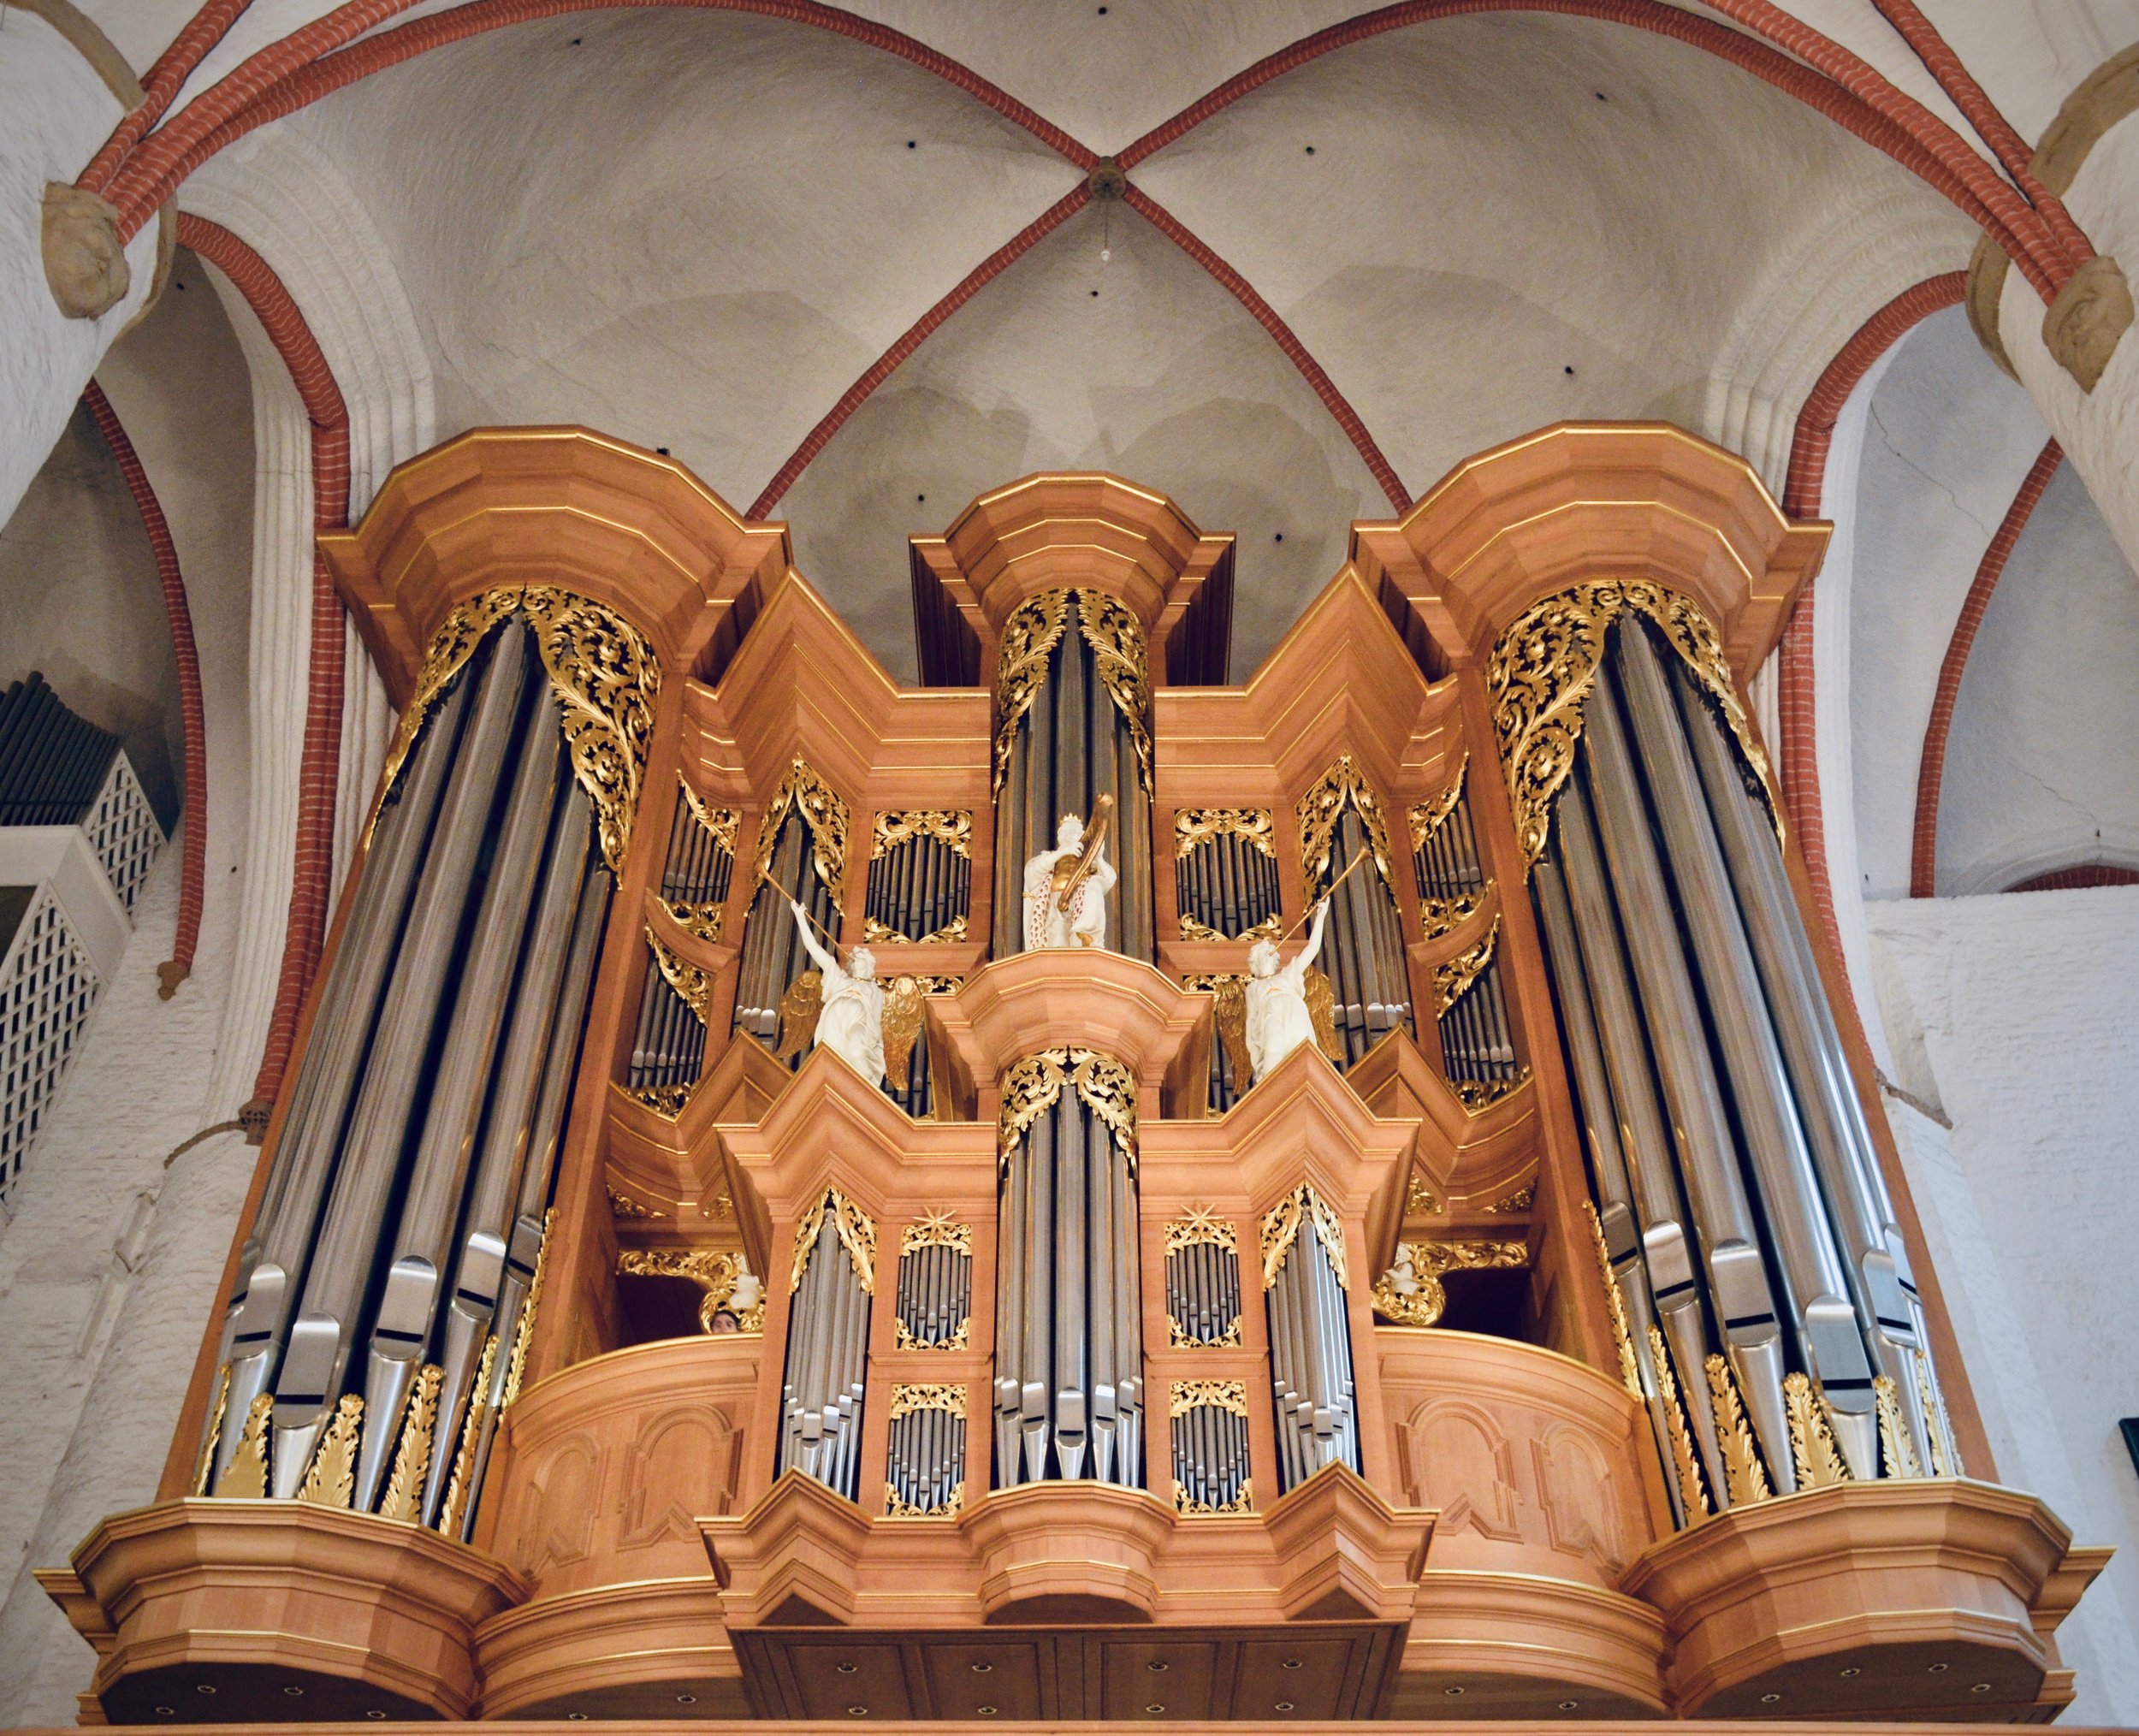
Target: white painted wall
2015 1014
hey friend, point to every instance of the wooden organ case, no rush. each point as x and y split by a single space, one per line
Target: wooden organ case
1540 1338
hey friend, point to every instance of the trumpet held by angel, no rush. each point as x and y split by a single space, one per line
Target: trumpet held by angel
845 1008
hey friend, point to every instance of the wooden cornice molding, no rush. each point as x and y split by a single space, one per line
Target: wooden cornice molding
1071 528
1032 1001
1340 681
1756 1599
549 506
1471 1160
1584 502
375 1613
1068 1554
802 685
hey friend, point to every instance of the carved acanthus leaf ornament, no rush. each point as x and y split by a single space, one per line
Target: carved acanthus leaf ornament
1542 670
1036 1084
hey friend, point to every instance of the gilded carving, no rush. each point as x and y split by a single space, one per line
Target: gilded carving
1443 916
1035 1085
946 1396
411 1453
895 1506
876 934
1520 1200
1411 1292
332 1479
1029 638
823 813
857 1233
1201 1227
607 679
1268 929
1244 1502
701 922
722 822
1946 1458
1117 639
1544 665
692 985
1454 977
245 1477
1735 1438
1419 1194
460 1481
1685 1463
716 1273
937 1229
1616 1304
1281 1228
1813 1447
1323 806
1897 1451
1195 826
1428 817
666 1101
525 1333
1186 1395
946 825
203 1468
624 1206
1478 1095
464 628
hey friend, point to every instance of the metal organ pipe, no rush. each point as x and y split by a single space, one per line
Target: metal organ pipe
273 1262
1824 1322
408 1306
1882 1284
1706 1148
343 1258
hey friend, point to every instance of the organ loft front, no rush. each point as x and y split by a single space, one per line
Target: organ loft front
1086 1187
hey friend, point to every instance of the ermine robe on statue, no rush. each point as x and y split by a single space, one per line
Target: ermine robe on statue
1048 923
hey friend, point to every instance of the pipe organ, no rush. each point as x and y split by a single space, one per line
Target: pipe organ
768 1220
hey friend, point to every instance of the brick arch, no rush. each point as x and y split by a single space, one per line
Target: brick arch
1924 854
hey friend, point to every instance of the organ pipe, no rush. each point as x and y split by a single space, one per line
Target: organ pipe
1711 1076
827 1345
1068 1321
1073 703
1312 1381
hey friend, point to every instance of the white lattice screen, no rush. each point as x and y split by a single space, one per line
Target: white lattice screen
123 832
47 987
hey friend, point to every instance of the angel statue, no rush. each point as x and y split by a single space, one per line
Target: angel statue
1279 1018
848 1010
1066 888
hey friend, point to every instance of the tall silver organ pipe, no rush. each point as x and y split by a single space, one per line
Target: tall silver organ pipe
699 863
1312 1383
1069 1387
341 1271
827 1345
669 1048
1363 946
426 1112
1882 1285
1073 723
1209 1438
773 951
275 1254
1707 1059
924 1471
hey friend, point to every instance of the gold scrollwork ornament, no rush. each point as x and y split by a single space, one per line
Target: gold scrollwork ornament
715 1272
951 827
1281 1227
824 813
608 680
692 986
1198 826
1034 1086
1411 1292
856 1234
1453 977
1320 810
1543 666
1029 638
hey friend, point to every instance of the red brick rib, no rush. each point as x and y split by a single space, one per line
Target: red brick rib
1864 104
312 873
1923 853
1266 317
911 340
166 79
302 69
1797 701
193 862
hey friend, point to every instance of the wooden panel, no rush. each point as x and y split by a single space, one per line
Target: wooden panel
834 1675
1172 1679
966 1678
1306 1678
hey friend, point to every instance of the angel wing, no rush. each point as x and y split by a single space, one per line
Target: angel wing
902 1025
1232 1022
1322 1010
798 1010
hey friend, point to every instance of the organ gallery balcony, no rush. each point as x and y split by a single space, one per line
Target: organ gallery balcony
1078 1189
